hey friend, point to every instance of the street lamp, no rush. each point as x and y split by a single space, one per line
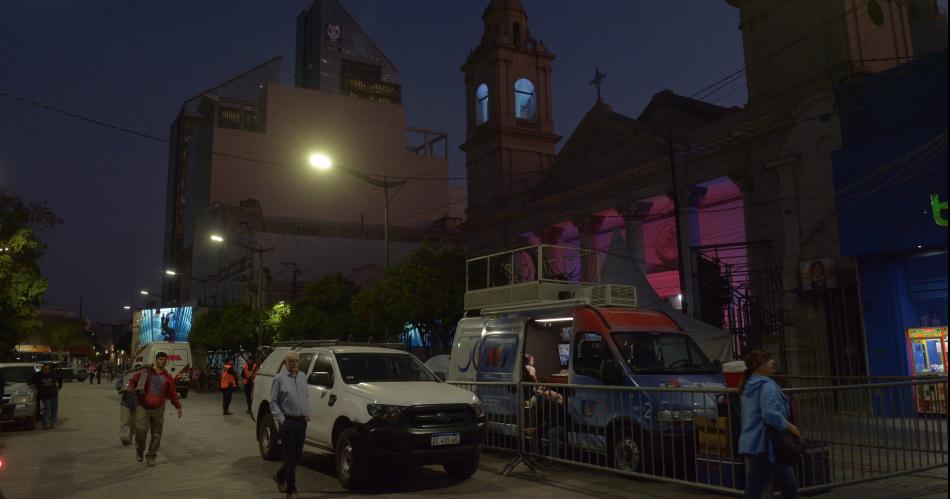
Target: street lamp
172 273
260 250
323 162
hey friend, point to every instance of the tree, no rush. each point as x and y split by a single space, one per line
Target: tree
424 292
22 287
230 327
323 312
64 333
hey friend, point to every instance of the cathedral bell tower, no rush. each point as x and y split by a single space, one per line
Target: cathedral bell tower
510 136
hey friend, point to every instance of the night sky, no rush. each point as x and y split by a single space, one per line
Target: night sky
132 64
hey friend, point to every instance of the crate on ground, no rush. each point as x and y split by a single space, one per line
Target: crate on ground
815 467
716 437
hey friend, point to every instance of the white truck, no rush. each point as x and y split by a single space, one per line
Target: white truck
372 404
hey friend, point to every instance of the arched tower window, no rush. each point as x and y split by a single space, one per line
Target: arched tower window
516 34
526 104
481 104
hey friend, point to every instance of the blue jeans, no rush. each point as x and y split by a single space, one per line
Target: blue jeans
50 410
292 434
760 471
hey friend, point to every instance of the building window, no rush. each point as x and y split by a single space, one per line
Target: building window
481 104
526 106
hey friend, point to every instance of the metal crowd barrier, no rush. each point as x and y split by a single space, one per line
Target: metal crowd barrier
854 432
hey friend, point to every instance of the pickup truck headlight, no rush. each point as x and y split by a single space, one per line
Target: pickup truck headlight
479 410
391 413
23 398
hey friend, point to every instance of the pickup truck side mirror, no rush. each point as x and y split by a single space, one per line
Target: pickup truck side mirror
612 373
324 379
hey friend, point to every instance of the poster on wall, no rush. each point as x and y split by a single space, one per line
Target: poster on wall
818 274
165 324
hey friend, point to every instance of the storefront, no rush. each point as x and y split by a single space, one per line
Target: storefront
891 201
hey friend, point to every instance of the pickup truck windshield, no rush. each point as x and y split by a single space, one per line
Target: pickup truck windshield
647 352
376 367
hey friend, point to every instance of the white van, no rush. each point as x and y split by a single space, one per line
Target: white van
179 357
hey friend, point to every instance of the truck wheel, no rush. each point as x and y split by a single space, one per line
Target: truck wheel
183 394
462 469
625 450
268 438
352 466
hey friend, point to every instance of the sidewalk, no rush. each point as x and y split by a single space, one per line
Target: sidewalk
930 484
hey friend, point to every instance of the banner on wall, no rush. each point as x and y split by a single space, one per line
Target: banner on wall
818 274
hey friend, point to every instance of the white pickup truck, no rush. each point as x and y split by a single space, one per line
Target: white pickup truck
370 405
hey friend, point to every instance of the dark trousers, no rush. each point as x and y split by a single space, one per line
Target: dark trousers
249 394
292 434
760 472
227 397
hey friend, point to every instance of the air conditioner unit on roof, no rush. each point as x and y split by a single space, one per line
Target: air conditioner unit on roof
608 295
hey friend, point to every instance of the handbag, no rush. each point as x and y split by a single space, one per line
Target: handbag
788 448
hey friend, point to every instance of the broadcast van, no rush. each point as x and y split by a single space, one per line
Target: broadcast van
584 335
179 357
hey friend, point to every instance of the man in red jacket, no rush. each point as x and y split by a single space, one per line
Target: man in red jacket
152 392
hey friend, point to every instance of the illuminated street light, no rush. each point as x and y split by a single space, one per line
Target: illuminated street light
127 307
320 161
170 272
323 162
216 238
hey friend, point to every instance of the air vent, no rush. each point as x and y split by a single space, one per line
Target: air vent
609 295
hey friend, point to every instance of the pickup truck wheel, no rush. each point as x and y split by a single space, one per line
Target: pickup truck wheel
462 469
268 438
625 450
30 424
183 394
352 466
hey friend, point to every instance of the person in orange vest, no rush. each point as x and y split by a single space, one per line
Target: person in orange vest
249 374
228 384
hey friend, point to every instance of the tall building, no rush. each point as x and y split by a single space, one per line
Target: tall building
239 169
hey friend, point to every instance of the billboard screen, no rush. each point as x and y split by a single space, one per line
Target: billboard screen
165 324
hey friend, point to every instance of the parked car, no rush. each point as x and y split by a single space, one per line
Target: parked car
68 373
372 405
19 404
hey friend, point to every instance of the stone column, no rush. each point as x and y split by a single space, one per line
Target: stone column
589 227
634 217
689 237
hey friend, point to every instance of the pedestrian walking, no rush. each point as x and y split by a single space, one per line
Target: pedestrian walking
196 379
291 410
153 386
228 384
99 373
127 404
91 368
764 404
48 384
248 375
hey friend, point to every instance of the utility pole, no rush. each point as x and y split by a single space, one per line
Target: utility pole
293 279
676 218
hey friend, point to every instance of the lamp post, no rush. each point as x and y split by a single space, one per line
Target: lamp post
172 273
260 250
323 162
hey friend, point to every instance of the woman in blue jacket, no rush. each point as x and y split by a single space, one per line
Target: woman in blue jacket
763 403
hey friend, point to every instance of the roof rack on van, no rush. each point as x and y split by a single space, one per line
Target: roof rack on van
335 343
537 276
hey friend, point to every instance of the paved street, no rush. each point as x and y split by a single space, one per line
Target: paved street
205 454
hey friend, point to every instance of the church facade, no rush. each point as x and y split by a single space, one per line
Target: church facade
721 208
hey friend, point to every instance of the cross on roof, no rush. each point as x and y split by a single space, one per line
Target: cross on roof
598 80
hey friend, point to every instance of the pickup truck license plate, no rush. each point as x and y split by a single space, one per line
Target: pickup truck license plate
445 439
